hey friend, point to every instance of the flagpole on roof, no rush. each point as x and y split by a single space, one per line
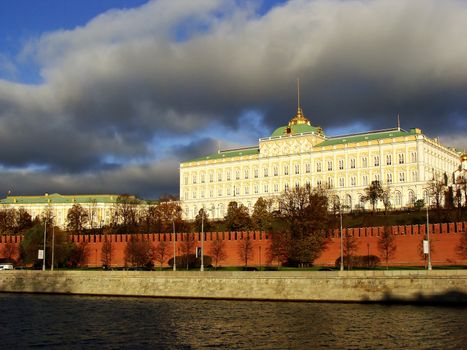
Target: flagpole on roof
298 93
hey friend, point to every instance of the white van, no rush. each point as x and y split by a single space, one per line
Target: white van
6 266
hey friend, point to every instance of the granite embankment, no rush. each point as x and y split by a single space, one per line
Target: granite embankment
437 286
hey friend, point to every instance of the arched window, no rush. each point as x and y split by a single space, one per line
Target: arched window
348 201
398 199
411 197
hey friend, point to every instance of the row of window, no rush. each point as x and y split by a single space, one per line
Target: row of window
296 169
351 202
236 190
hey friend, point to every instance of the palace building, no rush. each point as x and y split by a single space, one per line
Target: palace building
100 208
300 153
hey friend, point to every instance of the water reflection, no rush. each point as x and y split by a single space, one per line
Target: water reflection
72 322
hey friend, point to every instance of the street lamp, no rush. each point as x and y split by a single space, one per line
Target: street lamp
45 237
53 247
202 240
428 234
342 244
175 252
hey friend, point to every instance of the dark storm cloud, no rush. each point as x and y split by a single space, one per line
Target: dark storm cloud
195 149
148 181
116 89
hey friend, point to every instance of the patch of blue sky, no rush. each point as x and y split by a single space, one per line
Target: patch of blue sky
266 6
29 168
192 26
115 161
24 20
189 28
250 128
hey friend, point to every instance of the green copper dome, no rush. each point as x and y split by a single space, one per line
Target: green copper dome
297 129
298 125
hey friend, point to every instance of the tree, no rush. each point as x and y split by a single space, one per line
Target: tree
202 219
245 249
387 245
80 254
237 217
419 204
462 185
30 244
187 249
306 219
92 212
160 252
107 251
350 248
150 218
217 251
462 246
7 220
138 252
278 249
33 240
47 216
9 250
373 193
125 216
436 190
77 218
23 220
169 212
386 199
262 217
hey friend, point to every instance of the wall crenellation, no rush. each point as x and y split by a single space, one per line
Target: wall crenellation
445 238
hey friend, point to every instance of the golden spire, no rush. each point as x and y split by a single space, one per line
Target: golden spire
299 117
298 93
398 122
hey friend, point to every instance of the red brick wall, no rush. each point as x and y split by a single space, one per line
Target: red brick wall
444 238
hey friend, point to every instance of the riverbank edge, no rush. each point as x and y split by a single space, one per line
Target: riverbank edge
420 286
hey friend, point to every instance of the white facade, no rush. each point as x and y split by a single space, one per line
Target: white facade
99 207
300 154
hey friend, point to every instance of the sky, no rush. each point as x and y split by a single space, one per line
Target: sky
110 96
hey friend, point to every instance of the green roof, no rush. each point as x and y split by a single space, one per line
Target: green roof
297 129
57 198
369 136
228 154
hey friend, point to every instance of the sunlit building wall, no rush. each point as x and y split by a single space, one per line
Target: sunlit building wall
300 153
99 207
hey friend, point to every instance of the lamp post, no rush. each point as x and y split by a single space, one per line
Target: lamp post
53 247
45 237
202 240
428 234
175 252
342 243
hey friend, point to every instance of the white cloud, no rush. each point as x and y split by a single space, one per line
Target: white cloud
119 86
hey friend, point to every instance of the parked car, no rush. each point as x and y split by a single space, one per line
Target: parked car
6 267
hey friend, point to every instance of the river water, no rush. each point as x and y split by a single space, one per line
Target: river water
81 322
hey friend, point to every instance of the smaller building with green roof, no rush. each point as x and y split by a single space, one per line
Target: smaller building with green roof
100 207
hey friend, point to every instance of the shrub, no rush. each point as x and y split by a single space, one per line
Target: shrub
369 261
193 261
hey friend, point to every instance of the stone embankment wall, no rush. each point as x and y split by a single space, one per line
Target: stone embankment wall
444 238
437 286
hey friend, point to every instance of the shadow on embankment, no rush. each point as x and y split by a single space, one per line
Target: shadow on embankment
449 298
36 282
